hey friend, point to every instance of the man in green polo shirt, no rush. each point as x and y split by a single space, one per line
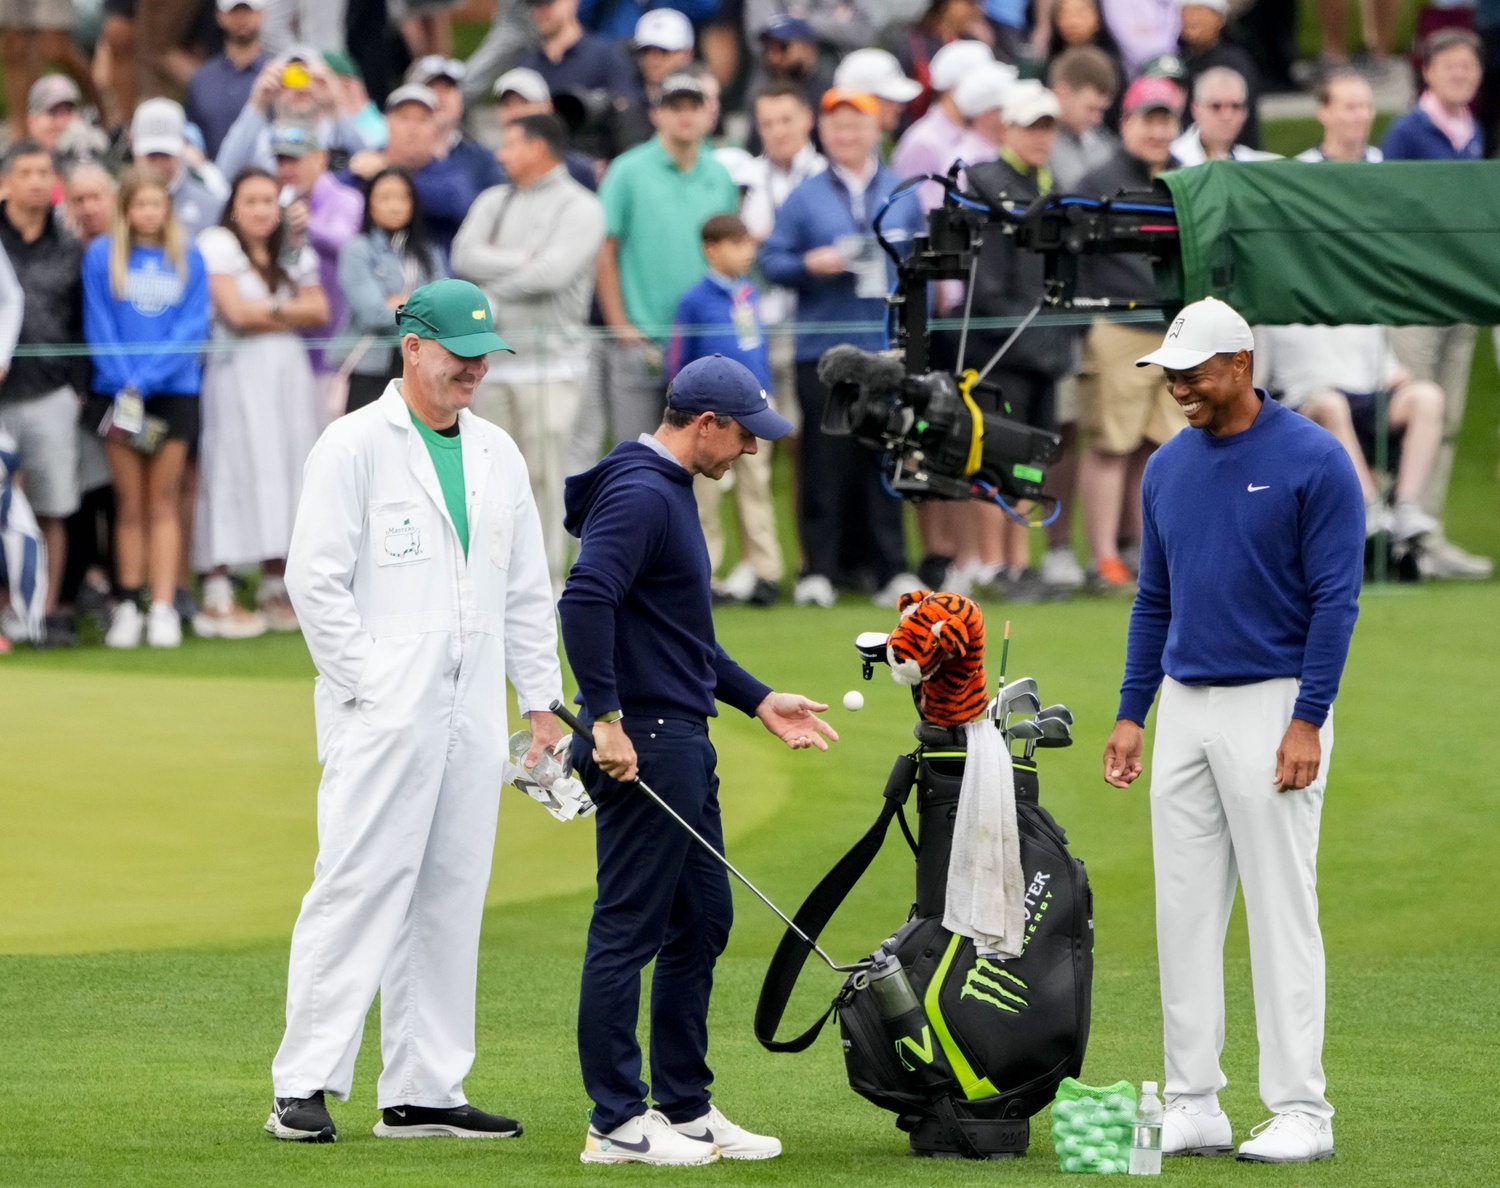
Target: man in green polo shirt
419 576
656 199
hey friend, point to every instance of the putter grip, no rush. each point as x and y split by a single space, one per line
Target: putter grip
574 724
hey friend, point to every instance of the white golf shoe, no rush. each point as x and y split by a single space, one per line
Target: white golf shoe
164 626
126 626
734 1142
1289 1138
647 1138
1193 1126
815 590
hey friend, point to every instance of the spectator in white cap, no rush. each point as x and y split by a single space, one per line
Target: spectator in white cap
51 107
159 144
663 45
523 92
415 145
220 88
297 85
1221 104
945 23
943 135
981 96
877 72
445 77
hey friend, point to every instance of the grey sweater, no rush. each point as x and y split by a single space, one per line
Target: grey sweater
532 250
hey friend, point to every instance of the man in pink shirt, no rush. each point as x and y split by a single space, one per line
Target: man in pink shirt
943 135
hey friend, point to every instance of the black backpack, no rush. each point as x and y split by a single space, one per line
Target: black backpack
994 1037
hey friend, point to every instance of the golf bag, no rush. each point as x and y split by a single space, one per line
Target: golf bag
983 1043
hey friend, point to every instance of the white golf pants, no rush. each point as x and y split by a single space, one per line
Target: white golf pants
1217 820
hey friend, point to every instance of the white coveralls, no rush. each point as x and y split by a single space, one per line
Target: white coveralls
412 644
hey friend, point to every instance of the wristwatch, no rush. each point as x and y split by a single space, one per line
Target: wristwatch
612 716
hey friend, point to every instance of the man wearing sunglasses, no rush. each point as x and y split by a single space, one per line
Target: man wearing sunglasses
419 576
1221 104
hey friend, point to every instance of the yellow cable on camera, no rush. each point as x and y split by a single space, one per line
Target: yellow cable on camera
976 439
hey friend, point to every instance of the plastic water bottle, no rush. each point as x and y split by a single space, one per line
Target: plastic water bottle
1145 1136
545 771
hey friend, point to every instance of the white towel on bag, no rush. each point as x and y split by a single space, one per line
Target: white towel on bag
986 888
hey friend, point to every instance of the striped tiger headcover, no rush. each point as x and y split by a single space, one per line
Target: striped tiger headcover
938 649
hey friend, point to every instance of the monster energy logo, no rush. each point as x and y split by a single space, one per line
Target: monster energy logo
990 984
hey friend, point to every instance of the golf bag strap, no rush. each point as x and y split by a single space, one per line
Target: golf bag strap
954 1129
816 910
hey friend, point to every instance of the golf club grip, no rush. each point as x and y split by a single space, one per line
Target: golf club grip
573 723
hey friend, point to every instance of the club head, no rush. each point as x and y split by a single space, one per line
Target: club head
1020 702
1026 730
1054 730
1018 686
1065 741
1061 712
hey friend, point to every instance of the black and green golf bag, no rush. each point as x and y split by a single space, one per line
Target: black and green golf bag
986 1041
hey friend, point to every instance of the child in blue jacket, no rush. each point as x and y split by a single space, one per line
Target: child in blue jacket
720 315
144 284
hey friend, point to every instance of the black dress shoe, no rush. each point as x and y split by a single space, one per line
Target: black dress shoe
408 1121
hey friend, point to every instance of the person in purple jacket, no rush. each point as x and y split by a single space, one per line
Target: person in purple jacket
720 315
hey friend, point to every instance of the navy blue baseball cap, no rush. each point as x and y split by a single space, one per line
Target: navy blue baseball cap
728 388
787 29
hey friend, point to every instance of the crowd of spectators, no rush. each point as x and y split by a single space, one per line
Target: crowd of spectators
229 202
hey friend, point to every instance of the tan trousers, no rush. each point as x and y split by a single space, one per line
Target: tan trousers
1442 355
540 418
759 547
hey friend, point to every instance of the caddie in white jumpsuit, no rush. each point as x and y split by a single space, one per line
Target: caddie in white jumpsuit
1252 551
418 573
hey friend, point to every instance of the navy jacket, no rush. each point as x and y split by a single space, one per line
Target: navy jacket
1414 137
706 325
815 214
637 613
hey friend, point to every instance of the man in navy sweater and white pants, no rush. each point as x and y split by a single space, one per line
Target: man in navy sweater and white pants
1251 559
637 622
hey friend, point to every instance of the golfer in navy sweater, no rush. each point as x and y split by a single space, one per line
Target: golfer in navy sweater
638 626
1251 558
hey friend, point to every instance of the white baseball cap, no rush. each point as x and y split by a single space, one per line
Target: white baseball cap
955 60
1202 330
876 72
664 29
525 82
158 127
984 89
231 5
1219 6
1028 102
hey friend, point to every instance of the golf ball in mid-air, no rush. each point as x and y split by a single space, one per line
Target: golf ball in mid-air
854 700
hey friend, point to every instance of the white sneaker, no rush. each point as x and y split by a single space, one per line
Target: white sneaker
1444 559
740 583
125 626
228 622
734 1142
814 590
902 583
1190 1127
163 626
1409 521
647 1138
1060 569
958 579
1289 1138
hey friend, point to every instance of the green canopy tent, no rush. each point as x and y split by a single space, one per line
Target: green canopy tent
1287 242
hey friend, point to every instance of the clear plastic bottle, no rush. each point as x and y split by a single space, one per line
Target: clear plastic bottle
1145 1135
545 771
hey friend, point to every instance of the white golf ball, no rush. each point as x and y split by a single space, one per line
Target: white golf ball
854 700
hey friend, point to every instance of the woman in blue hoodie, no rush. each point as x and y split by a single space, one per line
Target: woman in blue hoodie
144 286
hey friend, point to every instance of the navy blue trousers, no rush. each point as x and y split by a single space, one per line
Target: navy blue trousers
661 897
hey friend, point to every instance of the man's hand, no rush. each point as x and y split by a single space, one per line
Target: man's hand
628 334
366 163
1298 757
794 720
614 752
1122 753
267 86
825 261
546 730
298 215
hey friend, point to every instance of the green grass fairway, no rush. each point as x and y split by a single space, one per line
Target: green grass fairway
159 831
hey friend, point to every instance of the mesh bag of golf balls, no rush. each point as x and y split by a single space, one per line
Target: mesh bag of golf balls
1091 1127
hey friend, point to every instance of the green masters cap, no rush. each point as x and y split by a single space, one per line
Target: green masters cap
341 64
455 314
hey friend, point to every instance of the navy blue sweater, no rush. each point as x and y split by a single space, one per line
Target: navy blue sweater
637 614
1414 137
719 316
1251 560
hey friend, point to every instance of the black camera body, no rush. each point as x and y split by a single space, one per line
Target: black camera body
940 444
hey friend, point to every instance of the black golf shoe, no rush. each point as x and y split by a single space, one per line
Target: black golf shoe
409 1121
301 1120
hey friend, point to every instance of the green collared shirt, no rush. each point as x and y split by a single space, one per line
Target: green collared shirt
655 212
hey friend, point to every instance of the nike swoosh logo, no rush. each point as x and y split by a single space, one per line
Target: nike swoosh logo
398 1113
706 1137
638 1147
1253 487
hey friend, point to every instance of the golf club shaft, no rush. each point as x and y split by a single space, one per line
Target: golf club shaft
587 735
